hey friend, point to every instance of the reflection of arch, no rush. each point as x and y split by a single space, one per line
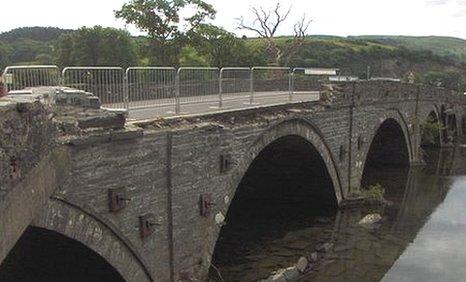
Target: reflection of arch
45 255
452 125
463 124
81 226
294 127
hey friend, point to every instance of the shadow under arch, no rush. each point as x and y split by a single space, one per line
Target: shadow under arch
45 255
286 185
389 149
292 127
84 227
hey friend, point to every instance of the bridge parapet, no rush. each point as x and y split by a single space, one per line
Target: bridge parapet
373 91
33 122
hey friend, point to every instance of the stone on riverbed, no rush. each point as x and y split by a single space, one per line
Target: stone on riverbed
283 275
370 219
314 257
302 264
324 248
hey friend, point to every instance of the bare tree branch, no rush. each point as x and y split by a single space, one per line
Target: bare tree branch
266 24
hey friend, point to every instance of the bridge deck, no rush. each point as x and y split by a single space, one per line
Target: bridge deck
206 104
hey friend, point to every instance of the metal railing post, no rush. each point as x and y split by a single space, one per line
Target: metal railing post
220 89
251 98
126 90
177 92
290 85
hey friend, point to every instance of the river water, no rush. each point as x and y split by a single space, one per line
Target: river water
422 236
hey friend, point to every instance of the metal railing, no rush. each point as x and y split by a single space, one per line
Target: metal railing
302 82
151 87
235 81
21 77
270 80
197 84
107 83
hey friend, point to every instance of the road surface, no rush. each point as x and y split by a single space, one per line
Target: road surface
142 110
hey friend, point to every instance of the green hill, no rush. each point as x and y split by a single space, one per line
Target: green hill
40 34
30 45
443 46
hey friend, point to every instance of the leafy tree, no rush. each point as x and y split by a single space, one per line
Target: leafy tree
189 57
222 48
44 59
166 29
96 46
25 50
4 60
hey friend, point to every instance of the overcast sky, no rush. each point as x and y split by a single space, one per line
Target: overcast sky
333 17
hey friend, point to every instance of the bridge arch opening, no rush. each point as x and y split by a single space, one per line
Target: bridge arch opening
388 153
45 255
285 188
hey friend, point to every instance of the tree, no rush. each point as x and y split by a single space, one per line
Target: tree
4 53
266 25
161 20
44 59
96 46
190 57
222 48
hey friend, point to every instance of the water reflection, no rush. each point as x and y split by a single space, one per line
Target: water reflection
420 238
437 253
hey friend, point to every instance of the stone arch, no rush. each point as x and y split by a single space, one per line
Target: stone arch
80 225
400 120
282 144
293 127
45 255
395 118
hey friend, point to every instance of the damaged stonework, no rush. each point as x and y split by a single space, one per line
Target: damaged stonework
329 93
33 121
36 127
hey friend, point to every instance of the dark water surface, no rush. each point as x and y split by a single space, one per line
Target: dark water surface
422 237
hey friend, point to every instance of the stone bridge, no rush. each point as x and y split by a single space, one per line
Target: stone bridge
148 200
